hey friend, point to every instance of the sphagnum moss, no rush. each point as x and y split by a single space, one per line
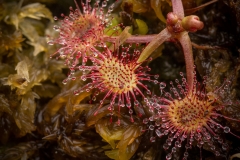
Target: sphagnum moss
191 119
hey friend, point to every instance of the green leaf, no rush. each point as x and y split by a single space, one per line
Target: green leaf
113 29
142 27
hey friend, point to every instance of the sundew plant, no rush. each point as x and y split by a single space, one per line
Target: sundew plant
119 79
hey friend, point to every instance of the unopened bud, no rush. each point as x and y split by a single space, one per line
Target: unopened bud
192 23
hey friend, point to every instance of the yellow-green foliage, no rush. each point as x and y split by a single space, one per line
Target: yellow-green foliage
30 68
142 27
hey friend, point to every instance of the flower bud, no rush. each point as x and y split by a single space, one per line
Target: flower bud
192 23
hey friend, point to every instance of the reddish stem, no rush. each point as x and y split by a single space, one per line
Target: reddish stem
132 39
188 54
155 41
190 23
178 8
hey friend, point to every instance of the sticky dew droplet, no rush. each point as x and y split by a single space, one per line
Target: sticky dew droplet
65 81
76 92
162 85
151 127
145 121
104 3
148 92
136 103
152 139
50 42
169 156
94 98
226 129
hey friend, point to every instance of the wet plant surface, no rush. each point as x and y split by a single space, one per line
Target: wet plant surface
92 82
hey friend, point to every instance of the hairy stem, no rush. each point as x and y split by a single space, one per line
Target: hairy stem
132 39
188 54
178 8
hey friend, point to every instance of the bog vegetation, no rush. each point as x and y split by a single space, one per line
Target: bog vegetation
119 79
